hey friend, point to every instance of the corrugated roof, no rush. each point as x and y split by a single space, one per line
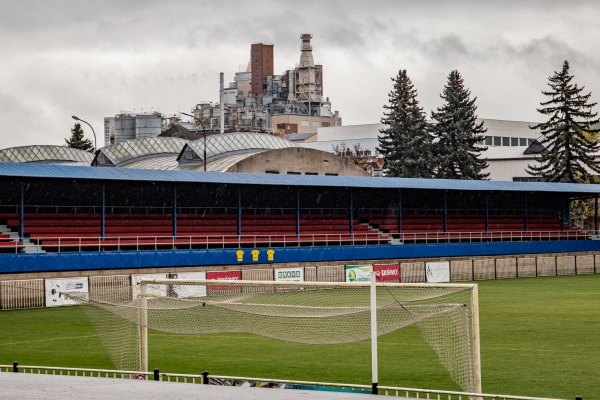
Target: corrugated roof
49 171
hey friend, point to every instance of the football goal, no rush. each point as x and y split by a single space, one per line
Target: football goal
304 312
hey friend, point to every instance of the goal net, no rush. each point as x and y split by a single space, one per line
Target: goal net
303 312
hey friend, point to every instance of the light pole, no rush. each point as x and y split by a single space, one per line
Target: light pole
204 133
94 132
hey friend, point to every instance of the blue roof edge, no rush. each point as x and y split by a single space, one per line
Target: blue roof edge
53 171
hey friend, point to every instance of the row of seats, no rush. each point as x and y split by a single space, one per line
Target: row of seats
472 227
82 230
53 230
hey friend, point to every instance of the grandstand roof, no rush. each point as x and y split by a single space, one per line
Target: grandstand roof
46 154
53 171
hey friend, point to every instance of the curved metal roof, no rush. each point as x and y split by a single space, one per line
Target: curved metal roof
217 145
46 154
129 150
54 171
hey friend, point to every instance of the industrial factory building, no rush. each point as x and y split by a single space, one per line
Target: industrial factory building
258 100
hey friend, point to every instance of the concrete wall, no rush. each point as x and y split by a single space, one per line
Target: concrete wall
299 160
26 290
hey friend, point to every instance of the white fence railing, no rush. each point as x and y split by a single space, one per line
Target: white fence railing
140 243
206 378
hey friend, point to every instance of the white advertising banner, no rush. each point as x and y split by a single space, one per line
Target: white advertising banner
151 290
358 273
289 274
438 271
56 288
184 291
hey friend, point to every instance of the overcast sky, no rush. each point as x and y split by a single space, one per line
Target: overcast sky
97 58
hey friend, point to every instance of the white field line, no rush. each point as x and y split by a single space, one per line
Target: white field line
48 340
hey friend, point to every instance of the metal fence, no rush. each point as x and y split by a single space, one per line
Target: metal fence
206 378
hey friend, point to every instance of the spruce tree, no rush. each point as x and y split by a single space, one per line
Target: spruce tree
405 142
77 141
458 136
568 137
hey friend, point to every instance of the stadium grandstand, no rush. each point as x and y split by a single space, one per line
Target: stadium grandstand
57 218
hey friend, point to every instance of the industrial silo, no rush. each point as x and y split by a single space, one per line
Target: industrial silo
124 128
147 125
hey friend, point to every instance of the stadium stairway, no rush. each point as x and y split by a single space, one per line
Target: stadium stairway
383 234
12 239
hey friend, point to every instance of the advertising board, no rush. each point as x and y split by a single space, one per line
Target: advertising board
224 276
358 273
289 274
56 288
184 291
387 272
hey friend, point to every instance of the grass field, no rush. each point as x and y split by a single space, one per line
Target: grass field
539 337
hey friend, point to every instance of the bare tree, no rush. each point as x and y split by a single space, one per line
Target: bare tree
355 154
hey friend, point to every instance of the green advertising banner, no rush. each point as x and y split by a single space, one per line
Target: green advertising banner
358 273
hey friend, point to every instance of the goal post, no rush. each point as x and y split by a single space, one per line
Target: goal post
303 312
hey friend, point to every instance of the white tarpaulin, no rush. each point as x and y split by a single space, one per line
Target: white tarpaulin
183 291
438 271
55 289
153 290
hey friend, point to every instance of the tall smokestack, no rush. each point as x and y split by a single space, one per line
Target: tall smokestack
222 125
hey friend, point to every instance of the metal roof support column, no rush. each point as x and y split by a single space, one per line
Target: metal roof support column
174 211
445 211
526 221
562 216
487 213
400 211
22 213
103 213
596 214
239 212
297 212
351 213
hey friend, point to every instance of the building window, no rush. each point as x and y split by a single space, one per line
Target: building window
331 174
497 140
293 173
514 141
488 141
311 173
528 179
326 124
522 142
505 141
271 172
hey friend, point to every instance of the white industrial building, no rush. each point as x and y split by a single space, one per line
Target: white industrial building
507 142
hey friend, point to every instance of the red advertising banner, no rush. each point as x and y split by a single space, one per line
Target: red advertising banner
387 272
224 276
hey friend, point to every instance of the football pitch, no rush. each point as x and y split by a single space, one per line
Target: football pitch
539 337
